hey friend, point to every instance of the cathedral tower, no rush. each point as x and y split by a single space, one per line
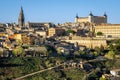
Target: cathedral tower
21 19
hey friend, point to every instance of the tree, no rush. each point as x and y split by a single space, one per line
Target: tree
59 51
64 34
19 42
99 34
71 31
96 53
19 51
103 78
101 48
83 54
77 53
97 49
110 55
115 46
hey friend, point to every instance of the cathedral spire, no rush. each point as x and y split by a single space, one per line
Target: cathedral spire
77 16
21 19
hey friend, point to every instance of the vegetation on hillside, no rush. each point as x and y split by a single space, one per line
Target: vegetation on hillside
15 67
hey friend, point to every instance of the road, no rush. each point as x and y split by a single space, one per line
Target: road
95 60
22 77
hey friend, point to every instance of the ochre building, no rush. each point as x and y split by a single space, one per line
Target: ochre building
55 32
92 19
109 30
86 41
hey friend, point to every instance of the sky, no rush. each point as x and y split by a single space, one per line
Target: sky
58 11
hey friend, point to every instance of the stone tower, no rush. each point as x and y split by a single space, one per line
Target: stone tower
21 19
91 17
105 15
76 18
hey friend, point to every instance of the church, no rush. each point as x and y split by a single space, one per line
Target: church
22 24
21 18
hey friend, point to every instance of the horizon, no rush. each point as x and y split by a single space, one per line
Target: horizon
57 11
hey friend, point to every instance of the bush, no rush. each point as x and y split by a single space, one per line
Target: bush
99 34
110 55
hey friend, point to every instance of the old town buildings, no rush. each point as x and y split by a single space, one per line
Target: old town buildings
92 31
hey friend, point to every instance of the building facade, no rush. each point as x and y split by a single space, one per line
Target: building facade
55 32
109 30
86 41
92 19
42 33
37 25
25 39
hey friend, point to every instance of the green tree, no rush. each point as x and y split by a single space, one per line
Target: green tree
110 64
115 46
25 46
76 53
99 34
19 42
110 55
19 51
97 49
103 78
64 33
101 48
71 31
83 54
95 53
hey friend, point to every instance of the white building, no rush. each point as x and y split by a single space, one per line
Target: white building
115 72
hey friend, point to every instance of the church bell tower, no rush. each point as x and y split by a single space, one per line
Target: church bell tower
21 19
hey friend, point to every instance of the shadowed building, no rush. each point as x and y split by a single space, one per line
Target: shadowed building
55 32
38 25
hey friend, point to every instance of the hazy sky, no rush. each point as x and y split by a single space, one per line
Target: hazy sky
58 11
